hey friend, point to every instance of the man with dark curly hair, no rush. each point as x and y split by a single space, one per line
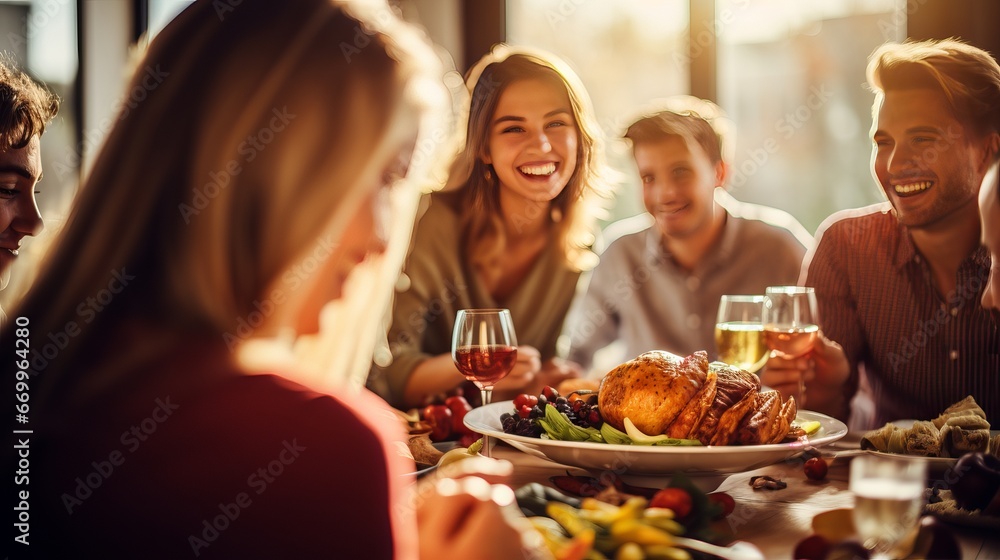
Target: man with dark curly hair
25 109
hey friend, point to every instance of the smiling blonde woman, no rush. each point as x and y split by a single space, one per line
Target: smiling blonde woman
513 228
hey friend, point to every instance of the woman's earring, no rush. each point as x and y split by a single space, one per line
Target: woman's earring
556 214
489 174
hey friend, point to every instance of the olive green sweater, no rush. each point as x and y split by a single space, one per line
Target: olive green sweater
437 282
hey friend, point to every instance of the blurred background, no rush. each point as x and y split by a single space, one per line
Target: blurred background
790 73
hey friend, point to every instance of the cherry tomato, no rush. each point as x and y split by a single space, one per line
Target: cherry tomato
468 439
674 499
524 411
439 417
523 399
457 402
815 468
459 407
725 500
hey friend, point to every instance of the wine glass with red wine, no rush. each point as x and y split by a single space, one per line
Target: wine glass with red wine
484 348
791 323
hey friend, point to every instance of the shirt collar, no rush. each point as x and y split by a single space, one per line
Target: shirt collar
981 257
732 228
655 245
724 247
906 252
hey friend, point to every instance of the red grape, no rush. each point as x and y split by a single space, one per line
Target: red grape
725 500
816 468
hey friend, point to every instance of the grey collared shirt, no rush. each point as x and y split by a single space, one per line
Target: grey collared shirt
640 296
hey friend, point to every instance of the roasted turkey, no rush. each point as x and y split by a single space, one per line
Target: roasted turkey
690 398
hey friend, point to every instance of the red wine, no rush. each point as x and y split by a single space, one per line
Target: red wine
485 365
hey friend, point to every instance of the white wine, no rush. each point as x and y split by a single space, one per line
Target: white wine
885 509
741 344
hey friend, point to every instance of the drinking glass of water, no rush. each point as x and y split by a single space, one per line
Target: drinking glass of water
888 494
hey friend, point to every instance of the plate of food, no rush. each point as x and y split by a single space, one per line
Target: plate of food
654 459
961 428
660 414
948 512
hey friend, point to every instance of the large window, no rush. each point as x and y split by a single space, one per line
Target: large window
162 11
626 53
789 73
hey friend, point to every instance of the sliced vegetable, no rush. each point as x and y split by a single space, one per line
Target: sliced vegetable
615 436
810 427
639 438
558 427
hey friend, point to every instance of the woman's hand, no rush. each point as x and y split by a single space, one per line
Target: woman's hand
554 372
460 513
531 375
527 367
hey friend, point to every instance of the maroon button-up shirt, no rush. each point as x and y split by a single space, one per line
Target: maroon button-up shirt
920 352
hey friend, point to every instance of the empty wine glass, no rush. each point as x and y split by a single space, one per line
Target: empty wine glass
888 497
739 332
484 349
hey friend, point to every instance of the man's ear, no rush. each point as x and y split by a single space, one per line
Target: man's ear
991 149
722 174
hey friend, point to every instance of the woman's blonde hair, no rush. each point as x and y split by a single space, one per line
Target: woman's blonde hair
576 208
244 154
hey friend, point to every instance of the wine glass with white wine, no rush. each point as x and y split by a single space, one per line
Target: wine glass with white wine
739 332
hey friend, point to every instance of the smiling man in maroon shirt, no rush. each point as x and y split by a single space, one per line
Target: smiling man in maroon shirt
899 283
25 109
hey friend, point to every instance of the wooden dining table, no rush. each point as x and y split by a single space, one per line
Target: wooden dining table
775 521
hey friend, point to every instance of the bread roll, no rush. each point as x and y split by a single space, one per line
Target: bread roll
965 407
964 434
923 439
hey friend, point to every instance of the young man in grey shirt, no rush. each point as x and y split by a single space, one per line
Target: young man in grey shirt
659 281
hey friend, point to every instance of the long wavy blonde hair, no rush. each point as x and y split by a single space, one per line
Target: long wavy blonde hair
217 180
575 210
